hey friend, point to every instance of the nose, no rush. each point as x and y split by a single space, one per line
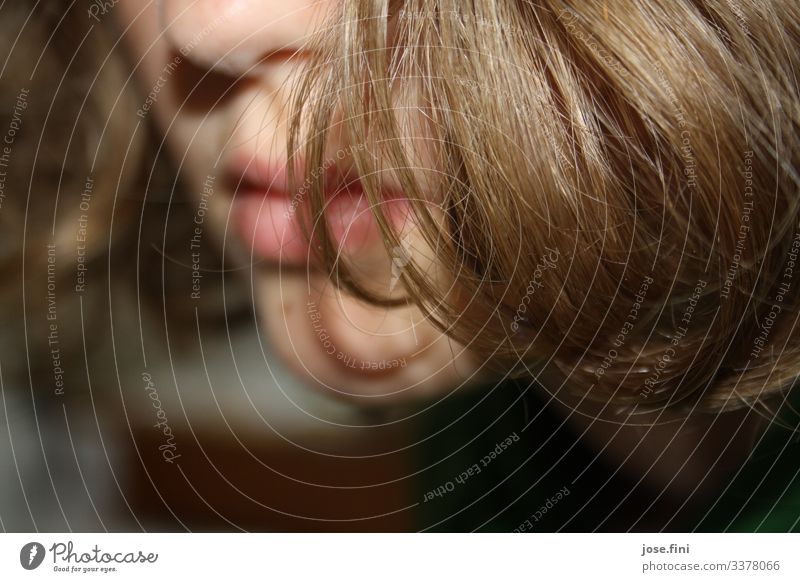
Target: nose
236 35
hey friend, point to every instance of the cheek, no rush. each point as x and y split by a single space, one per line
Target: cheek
152 62
137 25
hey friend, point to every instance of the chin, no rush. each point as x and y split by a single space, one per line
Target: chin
366 355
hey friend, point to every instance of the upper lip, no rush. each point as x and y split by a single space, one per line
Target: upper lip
255 173
265 176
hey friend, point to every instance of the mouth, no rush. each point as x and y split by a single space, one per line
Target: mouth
268 214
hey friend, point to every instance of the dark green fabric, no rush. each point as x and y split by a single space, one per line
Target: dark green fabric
522 487
764 496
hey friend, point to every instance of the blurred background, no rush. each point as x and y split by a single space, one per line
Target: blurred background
223 439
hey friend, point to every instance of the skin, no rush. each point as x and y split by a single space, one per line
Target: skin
224 107
224 70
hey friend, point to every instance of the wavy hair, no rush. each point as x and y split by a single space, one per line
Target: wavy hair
612 187
618 183
92 213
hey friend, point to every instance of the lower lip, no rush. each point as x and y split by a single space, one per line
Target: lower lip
270 224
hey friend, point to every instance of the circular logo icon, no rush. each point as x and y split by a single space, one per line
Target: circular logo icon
31 555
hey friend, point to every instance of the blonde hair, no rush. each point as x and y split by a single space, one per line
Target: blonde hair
618 179
85 203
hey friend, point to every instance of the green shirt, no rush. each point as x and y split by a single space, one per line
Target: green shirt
499 459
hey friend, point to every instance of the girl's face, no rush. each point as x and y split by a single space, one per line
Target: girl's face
216 77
